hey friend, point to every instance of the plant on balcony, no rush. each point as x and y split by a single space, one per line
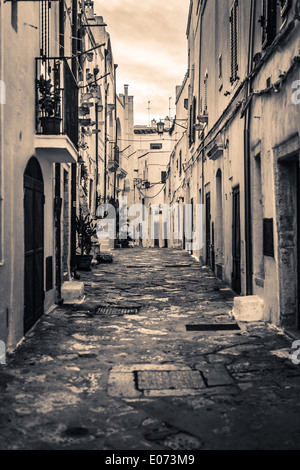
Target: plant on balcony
50 105
86 230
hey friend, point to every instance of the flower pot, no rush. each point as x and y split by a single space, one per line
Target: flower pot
51 125
84 262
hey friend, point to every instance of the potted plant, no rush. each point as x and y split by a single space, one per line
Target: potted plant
50 104
86 230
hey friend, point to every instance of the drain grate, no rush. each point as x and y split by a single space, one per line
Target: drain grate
117 311
176 266
214 327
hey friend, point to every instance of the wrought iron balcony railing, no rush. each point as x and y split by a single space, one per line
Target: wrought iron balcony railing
56 99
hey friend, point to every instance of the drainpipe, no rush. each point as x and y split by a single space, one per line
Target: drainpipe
247 161
57 211
61 28
75 47
116 135
105 125
97 156
58 200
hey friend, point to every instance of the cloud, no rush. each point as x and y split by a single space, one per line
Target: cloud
149 45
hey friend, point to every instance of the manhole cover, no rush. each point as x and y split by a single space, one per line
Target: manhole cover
117 311
214 327
169 380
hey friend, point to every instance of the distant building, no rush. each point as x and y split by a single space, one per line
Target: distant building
152 158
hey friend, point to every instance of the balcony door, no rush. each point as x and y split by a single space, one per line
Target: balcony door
34 244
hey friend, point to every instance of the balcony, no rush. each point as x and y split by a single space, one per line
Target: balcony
114 159
56 111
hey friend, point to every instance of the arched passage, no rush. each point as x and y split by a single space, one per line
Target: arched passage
34 243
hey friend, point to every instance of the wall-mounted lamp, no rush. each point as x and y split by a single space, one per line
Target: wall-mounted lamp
203 118
160 127
198 127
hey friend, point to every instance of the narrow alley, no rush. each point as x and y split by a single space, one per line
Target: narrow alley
152 359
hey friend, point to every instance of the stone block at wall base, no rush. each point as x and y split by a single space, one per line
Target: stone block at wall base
72 292
248 309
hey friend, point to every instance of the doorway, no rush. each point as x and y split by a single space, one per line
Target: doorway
298 240
287 180
207 228
236 241
34 244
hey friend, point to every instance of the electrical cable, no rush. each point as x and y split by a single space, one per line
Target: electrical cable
151 197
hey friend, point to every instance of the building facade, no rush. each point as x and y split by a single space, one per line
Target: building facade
38 148
60 122
240 149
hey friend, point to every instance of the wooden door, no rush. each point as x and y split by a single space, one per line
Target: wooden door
236 241
34 244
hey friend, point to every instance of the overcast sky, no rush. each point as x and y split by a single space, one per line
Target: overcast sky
150 47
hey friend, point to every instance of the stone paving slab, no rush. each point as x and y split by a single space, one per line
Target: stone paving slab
169 380
73 383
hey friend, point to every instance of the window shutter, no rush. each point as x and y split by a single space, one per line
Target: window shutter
190 126
44 28
205 94
163 176
194 118
268 22
234 41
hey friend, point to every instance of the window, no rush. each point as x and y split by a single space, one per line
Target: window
268 237
45 29
205 109
155 146
234 41
180 163
2 92
268 22
192 121
220 66
163 176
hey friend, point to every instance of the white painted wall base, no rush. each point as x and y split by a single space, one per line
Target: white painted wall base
248 309
72 292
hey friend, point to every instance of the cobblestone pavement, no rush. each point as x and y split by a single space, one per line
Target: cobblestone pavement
121 371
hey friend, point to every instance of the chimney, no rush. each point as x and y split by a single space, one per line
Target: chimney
126 91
